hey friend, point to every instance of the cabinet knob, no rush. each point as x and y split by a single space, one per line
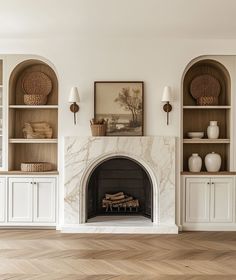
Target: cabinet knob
208 183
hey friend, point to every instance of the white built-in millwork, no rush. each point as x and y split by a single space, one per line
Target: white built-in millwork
27 198
2 199
31 201
208 203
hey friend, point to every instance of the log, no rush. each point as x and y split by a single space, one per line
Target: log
109 196
105 201
115 198
109 202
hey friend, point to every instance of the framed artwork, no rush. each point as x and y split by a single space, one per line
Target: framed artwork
121 105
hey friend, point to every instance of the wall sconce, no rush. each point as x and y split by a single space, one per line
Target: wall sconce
166 97
74 99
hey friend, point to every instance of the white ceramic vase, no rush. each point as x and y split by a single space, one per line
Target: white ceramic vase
213 130
195 163
213 162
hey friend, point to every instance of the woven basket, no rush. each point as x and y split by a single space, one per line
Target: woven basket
33 99
36 166
207 100
37 83
98 129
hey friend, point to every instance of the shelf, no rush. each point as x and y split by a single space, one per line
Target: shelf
208 173
18 172
207 107
32 141
33 106
206 141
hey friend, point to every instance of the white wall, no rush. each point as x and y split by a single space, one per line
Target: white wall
157 62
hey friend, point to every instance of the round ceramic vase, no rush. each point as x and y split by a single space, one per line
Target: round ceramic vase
195 163
213 162
213 130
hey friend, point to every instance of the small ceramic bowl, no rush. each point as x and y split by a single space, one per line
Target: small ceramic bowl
195 135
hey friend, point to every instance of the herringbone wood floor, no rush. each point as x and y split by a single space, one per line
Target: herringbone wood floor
47 254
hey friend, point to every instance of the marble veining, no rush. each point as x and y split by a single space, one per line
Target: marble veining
155 153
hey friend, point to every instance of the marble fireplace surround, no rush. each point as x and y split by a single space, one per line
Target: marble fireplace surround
155 153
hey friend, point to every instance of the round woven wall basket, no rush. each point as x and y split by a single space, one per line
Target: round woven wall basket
36 166
37 83
205 89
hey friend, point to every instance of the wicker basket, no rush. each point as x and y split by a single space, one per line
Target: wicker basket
37 83
33 99
207 100
36 166
98 129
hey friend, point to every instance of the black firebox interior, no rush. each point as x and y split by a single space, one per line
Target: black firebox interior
119 175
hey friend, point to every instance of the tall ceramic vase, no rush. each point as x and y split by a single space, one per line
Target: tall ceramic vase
195 163
213 162
213 130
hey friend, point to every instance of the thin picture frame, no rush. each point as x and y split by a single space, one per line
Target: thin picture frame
121 105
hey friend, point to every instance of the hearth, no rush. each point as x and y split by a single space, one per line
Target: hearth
119 186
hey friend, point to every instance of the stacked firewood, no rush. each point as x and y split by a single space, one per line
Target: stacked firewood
120 201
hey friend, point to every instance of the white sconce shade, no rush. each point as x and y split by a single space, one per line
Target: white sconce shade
166 96
74 95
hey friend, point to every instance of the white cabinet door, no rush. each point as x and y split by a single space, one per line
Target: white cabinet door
2 199
222 191
20 200
197 198
44 200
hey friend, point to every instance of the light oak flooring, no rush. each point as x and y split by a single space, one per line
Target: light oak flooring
48 254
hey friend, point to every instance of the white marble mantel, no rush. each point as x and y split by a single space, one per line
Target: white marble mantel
155 153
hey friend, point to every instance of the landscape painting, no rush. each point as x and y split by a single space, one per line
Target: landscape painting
120 104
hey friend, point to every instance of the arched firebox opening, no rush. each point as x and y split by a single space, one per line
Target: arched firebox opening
119 186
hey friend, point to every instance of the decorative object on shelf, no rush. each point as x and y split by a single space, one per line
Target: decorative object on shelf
213 162
205 89
213 130
166 97
195 163
98 128
37 86
36 166
36 83
33 99
37 130
195 135
74 99
121 105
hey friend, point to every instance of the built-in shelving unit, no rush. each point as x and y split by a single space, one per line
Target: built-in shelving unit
207 107
33 107
206 141
36 141
1 113
31 150
197 118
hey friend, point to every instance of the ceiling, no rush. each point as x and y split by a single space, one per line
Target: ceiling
89 18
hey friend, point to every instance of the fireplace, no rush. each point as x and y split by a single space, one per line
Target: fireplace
124 177
139 167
